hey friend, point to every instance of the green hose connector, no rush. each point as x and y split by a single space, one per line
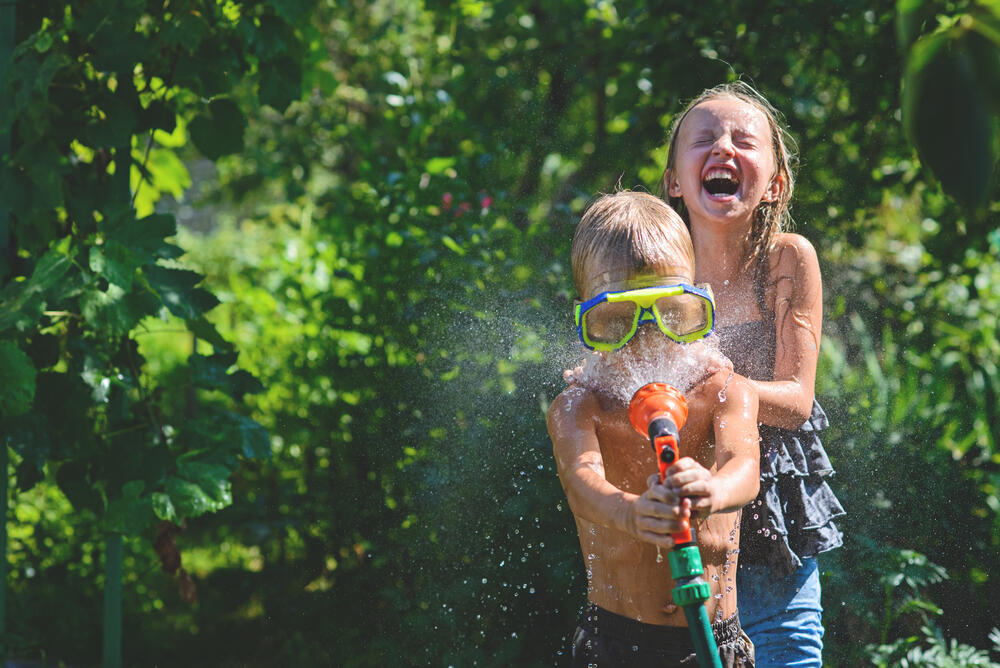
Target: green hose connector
685 562
694 593
691 593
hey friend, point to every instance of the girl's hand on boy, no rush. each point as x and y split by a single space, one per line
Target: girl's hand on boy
689 480
657 513
574 375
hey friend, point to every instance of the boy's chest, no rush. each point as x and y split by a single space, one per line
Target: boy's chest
629 458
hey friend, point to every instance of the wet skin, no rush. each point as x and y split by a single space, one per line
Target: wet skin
729 134
622 512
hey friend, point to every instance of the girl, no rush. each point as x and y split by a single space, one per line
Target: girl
729 174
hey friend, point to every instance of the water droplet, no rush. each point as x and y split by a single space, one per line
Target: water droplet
722 392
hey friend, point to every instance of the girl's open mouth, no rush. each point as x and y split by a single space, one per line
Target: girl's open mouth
720 182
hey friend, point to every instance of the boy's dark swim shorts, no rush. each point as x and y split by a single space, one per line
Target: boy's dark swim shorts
609 640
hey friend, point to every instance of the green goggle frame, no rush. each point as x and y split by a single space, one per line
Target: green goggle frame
651 304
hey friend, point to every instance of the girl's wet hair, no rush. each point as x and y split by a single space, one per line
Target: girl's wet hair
632 232
770 218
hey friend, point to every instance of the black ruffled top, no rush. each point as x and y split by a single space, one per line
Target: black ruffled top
793 515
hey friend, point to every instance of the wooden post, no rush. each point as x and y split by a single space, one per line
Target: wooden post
112 601
112 648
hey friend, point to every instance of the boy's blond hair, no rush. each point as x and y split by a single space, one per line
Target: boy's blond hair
630 231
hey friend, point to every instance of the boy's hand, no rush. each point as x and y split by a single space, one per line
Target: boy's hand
658 513
689 480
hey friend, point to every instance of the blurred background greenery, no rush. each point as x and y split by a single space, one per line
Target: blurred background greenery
381 195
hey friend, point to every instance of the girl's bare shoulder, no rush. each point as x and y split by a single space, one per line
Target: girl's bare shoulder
793 255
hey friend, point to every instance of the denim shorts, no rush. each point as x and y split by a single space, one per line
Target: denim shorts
782 616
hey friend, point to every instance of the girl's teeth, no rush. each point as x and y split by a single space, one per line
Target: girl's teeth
720 174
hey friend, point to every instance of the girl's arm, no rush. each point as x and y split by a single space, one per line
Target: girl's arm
591 497
795 282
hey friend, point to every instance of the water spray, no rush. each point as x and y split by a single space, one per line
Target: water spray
659 411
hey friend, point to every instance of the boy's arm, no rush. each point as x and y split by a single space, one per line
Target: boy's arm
736 479
591 497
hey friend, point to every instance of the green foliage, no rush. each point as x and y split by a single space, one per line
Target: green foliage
17 380
389 255
98 98
931 650
951 111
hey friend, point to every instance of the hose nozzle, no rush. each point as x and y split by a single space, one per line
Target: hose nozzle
659 411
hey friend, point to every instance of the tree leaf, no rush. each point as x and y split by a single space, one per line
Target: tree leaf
176 288
948 115
74 481
189 499
212 478
206 331
220 131
109 312
254 441
17 381
211 373
163 507
157 116
129 513
280 83
911 16
23 302
439 165
115 262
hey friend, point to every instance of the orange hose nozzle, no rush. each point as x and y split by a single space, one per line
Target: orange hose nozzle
659 411
656 400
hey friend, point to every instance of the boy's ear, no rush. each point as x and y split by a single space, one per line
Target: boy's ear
776 187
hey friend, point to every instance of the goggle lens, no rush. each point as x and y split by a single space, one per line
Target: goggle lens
682 314
610 323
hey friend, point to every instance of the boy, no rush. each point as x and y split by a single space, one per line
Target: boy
624 516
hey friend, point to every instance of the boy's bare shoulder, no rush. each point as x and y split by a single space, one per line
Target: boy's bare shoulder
575 404
724 387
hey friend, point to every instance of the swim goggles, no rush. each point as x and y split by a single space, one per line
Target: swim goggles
608 321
